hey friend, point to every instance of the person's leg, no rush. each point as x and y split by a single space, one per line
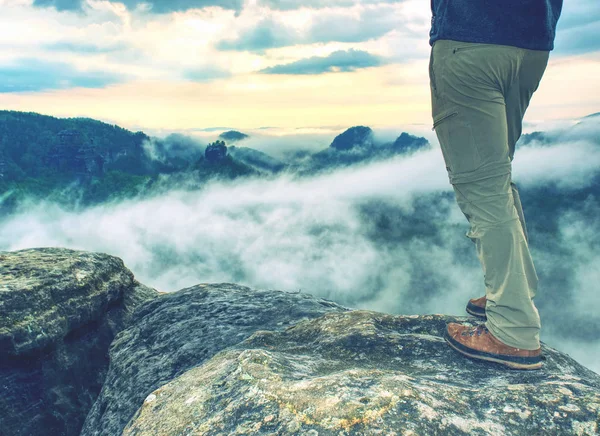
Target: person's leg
468 82
510 277
517 98
519 208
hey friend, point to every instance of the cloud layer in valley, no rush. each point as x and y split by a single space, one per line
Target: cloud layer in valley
385 236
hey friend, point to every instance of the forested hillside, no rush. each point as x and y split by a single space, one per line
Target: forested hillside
67 159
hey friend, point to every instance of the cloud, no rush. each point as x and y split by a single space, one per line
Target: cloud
206 74
267 34
567 165
225 228
30 75
577 27
386 236
173 146
577 14
372 23
328 26
155 6
578 40
60 5
84 48
338 61
320 4
567 156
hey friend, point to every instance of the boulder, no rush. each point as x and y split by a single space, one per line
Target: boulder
60 311
365 373
181 330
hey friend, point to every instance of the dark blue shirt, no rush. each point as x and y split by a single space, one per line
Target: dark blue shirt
521 23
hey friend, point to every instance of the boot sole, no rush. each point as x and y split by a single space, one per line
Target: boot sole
474 313
517 363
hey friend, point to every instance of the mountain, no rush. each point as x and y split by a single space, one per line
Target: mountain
256 159
86 162
539 138
33 145
406 143
358 136
233 136
80 162
357 145
88 350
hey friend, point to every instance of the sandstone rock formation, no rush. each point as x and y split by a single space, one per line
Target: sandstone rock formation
357 136
182 330
225 359
216 151
362 373
59 311
407 143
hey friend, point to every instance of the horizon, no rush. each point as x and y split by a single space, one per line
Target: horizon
268 139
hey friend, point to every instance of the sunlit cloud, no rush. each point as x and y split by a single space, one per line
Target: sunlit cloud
155 6
337 61
151 51
334 25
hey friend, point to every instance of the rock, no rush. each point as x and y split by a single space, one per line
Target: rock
359 136
364 373
60 311
357 145
407 143
181 330
216 151
225 359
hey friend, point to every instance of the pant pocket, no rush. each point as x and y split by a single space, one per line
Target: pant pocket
457 142
464 46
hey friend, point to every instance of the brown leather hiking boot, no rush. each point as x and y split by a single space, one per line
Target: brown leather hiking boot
476 307
479 343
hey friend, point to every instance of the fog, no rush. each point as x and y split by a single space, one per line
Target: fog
385 236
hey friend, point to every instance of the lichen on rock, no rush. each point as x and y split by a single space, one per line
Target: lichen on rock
364 372
59 311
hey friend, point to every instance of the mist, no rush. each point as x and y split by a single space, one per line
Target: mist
385 236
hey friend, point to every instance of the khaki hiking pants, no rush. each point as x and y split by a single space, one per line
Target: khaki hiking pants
479 94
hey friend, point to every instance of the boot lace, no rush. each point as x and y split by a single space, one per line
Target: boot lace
479 330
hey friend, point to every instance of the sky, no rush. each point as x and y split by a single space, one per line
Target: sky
275 66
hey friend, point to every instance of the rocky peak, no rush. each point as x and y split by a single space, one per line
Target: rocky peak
216 151
358 136
407 143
